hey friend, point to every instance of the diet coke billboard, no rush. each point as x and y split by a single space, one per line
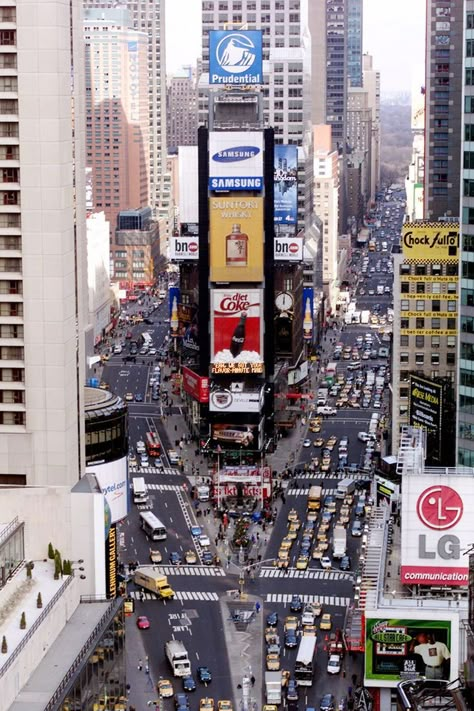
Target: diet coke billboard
184 247
236 331
288 249
436 529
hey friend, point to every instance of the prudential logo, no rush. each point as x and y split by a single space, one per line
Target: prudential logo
235 53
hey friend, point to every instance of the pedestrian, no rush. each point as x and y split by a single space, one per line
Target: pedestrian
128 689
257 607
252 680
354 679
147 668
140 665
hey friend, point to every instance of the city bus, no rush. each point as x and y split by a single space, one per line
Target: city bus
330 374
152 526
305 666
153 444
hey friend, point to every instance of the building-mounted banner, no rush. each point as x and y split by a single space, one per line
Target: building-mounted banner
183 248
288 249
286 184
235 161
235 398
236 239
235 57
430 242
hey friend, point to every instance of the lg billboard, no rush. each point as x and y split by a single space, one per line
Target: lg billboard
436 528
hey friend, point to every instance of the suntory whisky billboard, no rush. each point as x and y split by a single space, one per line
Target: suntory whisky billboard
237 331
236 239
430 241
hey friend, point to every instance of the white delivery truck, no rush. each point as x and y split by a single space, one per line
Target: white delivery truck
345 486
364 316
178 658
273 687
339 542
140 492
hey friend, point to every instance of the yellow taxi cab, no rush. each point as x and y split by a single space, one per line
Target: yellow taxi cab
285 677
326 465
104 386
165 688
326 622
129 397
292 534
291 623
318 553
323 545
294 525
269 707
315 429
273 662
224 705
190 557
283 559
322 531
206 704
104 357
293 515
286 544
309 631
319 442
302 562
312 516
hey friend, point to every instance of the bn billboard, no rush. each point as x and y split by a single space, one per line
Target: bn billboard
286 184
236 239
237 331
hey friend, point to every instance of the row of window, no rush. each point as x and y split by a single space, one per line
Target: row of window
423 287
421 341
449 269
12 418
424 305
422 358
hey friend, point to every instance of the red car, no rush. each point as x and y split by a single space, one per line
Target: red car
143 623
129 334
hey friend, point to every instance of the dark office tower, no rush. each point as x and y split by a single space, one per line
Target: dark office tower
336 70
354 41
444 48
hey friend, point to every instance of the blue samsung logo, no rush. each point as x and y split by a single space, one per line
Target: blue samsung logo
236 155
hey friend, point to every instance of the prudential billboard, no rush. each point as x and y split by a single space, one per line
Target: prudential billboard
286 184
235 57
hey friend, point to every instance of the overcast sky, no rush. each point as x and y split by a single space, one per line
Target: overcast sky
394 34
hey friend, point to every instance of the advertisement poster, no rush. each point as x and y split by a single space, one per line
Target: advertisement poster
425 406
286 184
288 249
174 299
308 302
184 247
236 239
398 649
195 385
235 436
235 57
112 480
235 160
235 398
236 331
436 528
430 241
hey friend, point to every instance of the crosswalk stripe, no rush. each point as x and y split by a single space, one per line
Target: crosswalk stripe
305 574
189 570
331 600
164 487
169 471
206 596
331 475
305 492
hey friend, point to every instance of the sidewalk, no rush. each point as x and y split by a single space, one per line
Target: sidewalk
142 684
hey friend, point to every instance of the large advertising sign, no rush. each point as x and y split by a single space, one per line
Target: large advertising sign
288 249
286 184
430 241
235 398
230 436
111 564
237 331
235 161
248 474
112 480
236 239
425 406
188 183
436 528
235 57
174 295
401 649
308 302
195 385
184 247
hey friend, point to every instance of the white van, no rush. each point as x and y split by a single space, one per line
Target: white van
173 457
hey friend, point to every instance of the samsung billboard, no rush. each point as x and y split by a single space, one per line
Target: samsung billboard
235 161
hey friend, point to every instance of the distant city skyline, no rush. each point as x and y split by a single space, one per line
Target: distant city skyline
383 38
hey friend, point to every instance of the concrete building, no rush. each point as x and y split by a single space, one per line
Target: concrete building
117 112
443 130
359 142
337 70
136 239
43 300
425 304
182 109
414 184
326 192
149 18
98 274
371 84
355 11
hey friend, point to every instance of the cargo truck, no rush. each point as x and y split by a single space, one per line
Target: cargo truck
314 498
273 687
339 542
345 486
149 579
364 316
178 659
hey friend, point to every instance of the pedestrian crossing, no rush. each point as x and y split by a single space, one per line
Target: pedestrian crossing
307 574
334 600
203 570
169 471
164 487
330 475
181 596
305 492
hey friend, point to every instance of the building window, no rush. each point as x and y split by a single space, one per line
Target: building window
419 341
404 305
450 359
419 358
404 323
420 323
435 341
420 287
404 341
405 287
436 305
404 357
420 305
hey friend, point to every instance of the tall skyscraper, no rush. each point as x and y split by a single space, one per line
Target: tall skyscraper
444 51
287 68
371 83
42 240
149 17
182 109
116 112
336 70
354 41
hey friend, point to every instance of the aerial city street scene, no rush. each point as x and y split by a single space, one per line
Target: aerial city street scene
236 331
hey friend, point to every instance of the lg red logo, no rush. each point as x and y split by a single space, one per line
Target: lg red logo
439 507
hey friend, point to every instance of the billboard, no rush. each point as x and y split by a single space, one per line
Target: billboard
401 649
430 241
235 57
308 305
236 331
112 480
230 436
247 474
436 528
235 160
425 405
184 247
236 239
235 398
111 564
188 184
288 249
285 178
174 293
195 385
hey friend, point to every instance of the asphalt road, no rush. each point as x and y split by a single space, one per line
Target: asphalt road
195 614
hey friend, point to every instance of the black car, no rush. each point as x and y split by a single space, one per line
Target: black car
296 604
207 558
291 640
292 691
189 684
345 563
175 558
148 321
181 701
327 703
272 619
204 675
